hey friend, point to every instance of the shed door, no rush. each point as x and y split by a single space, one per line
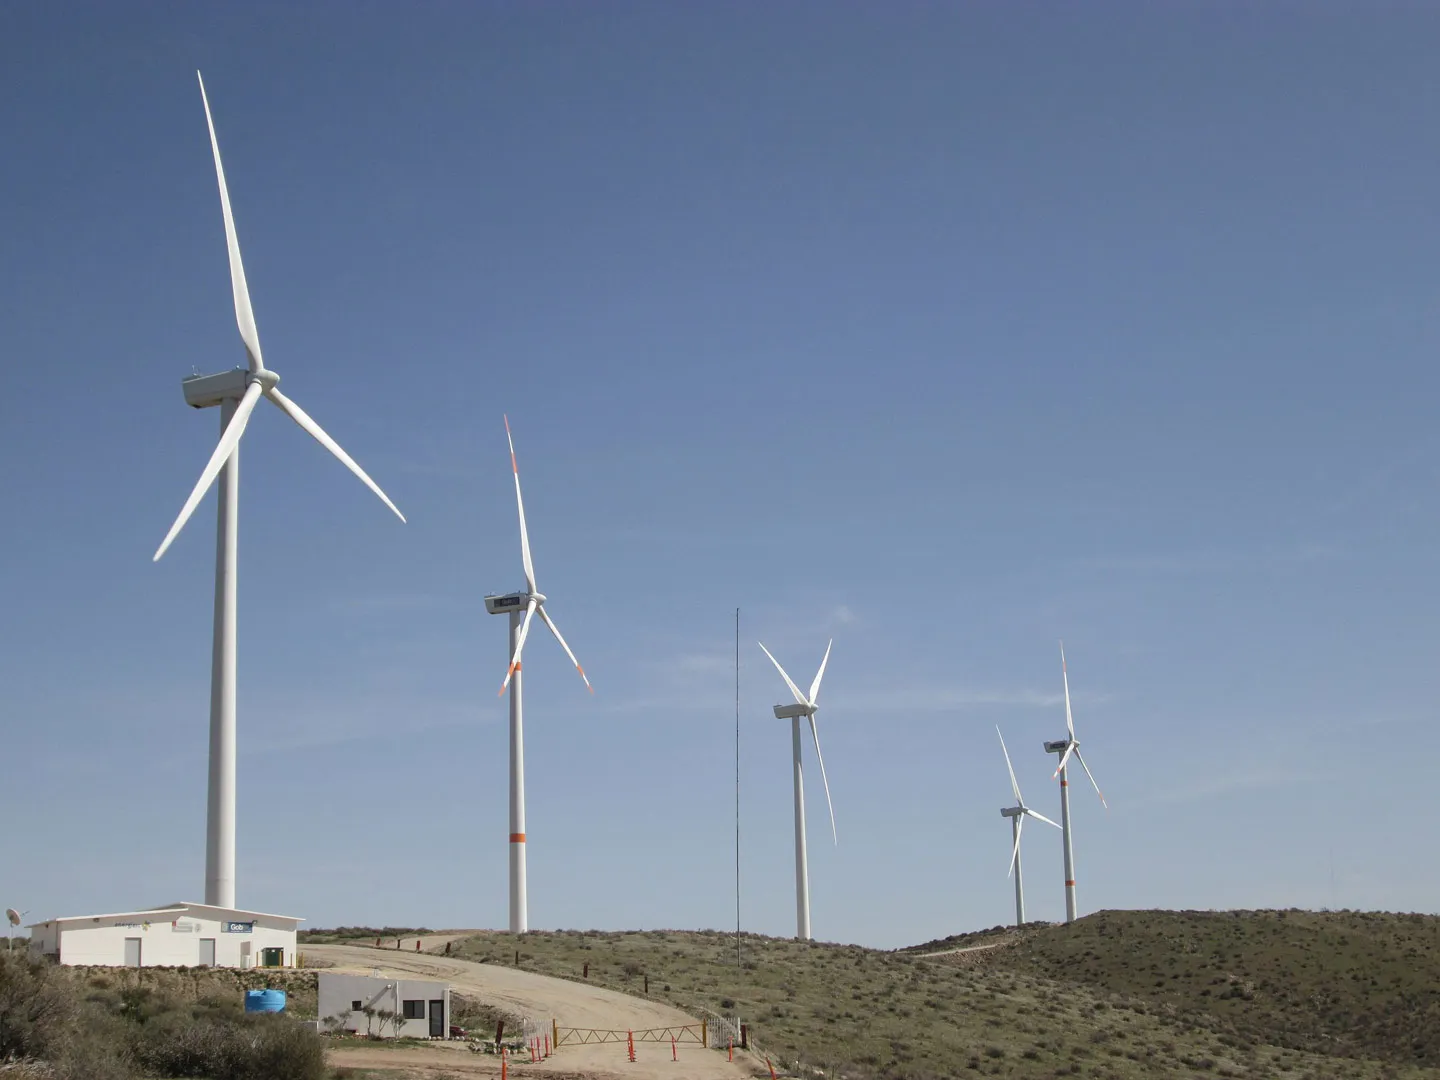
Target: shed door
437 1019
132 952
207 952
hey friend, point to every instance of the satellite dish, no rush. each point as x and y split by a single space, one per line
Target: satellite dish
13 916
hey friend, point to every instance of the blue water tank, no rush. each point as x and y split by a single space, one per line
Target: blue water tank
264 1001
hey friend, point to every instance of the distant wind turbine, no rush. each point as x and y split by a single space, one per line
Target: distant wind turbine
1017 815
805 706
1065 747
521 607
237 392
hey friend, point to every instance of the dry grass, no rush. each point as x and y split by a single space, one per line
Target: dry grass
1123 995
1351 984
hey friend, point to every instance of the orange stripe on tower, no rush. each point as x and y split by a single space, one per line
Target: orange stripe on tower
1064 783
1069 884
519 838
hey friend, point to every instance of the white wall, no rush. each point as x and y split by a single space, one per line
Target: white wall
169 939
338 993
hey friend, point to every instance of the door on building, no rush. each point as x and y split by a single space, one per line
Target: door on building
207 952
437 1019
272 957
132 952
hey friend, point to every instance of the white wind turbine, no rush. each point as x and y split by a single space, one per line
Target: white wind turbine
521 607
1065 747
805 706
237 392
1017 815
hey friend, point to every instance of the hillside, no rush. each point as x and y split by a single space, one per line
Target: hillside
1353 984
1125 995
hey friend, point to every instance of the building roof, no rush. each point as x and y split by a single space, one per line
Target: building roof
179 908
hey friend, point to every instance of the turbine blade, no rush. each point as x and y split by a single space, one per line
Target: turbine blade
1063 759
229 439
1096 786
244 316
1041 817
1014 784
815 734
556 631
524 536
1015 855
815 686
1069 721
799 698
519 647
316 432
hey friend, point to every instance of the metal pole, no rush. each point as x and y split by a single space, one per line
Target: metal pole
1019 888
737 787
220 803
802 870
519 916
1069 851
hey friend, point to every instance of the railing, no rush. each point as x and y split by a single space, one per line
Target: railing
569 1036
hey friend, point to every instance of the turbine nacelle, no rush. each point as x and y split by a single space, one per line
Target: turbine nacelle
790 712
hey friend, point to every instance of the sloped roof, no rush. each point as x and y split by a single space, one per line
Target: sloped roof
179 908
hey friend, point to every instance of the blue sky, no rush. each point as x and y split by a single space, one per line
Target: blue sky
948 330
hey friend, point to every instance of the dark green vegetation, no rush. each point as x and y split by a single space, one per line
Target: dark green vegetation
1125 995
120 1024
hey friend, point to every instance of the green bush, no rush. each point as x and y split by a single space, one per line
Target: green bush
256 1047
57 1025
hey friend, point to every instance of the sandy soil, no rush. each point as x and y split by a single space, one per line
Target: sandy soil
542 998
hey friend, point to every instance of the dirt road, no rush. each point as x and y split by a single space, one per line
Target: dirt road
542 998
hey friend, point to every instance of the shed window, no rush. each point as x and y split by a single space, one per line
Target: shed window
355 1006
413 1010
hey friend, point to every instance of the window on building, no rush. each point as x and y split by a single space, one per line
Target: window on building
354 1006
413 1010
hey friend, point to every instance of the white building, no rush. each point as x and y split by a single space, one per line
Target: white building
423 1007
179 935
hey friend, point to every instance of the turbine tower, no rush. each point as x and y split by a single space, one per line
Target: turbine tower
521 607
806 707
1017 815
1065 747
237 392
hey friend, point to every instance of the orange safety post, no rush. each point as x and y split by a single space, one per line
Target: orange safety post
673 1055
630 1041
771 1067
730 1049
547 1045
504 1063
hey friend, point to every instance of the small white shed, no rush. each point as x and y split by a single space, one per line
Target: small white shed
423 1007
178 935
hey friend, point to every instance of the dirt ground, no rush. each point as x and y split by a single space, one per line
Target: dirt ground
543 999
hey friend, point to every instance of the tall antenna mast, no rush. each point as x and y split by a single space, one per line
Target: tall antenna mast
737 787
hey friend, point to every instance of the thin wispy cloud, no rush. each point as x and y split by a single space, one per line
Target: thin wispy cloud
958 699
1212 786
1212 561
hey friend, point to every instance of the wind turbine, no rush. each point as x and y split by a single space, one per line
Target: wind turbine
805 706
521 607
1017 815
1065 747
237 392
